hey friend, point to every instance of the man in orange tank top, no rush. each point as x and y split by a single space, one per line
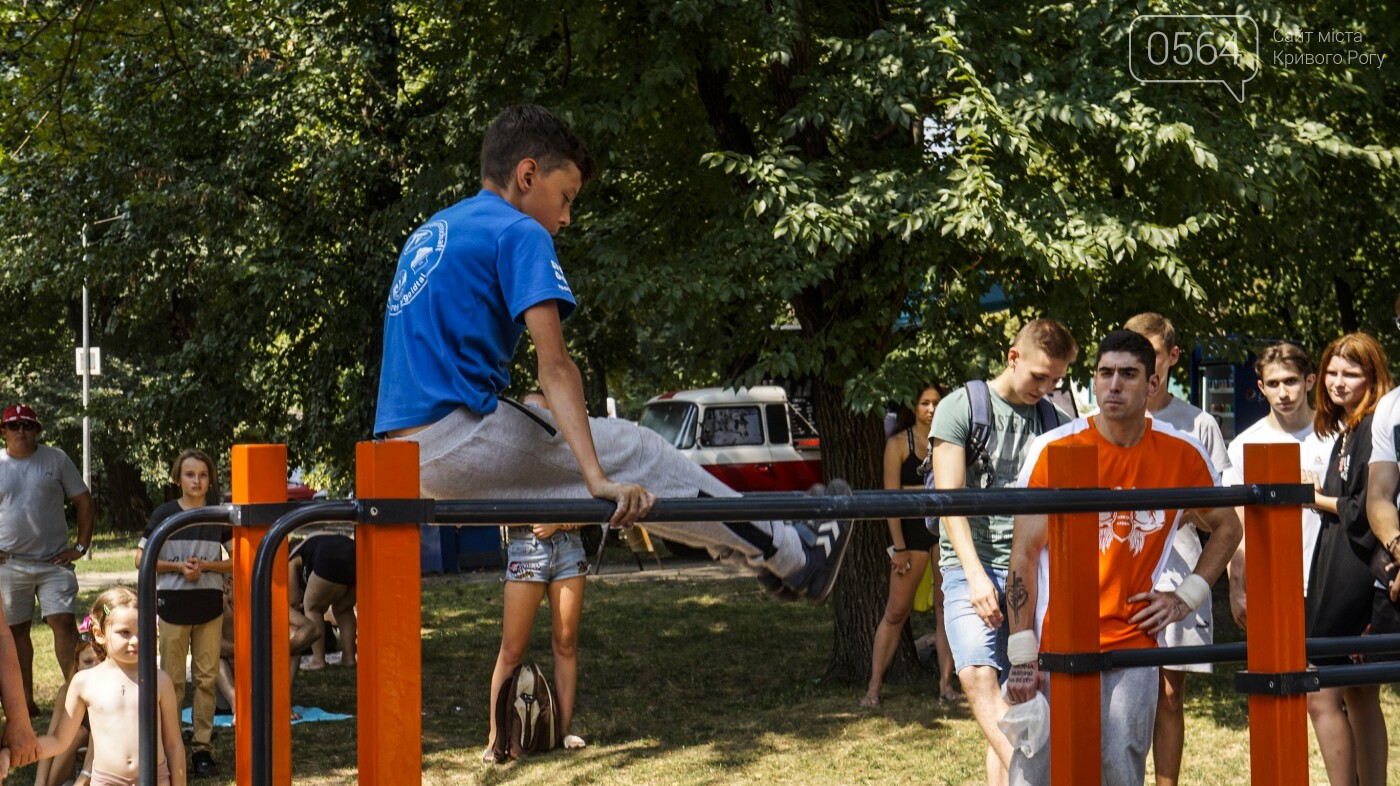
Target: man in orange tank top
1133 452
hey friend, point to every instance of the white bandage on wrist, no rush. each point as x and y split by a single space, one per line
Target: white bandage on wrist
1193 591
1022 648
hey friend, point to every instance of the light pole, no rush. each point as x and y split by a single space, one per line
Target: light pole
87 363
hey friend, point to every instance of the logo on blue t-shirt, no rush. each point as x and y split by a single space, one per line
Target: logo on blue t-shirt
421 255
559 276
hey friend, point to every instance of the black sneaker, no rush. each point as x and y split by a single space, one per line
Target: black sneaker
202 765
825 543
774 586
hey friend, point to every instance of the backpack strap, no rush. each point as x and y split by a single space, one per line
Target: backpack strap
979 427
1049 418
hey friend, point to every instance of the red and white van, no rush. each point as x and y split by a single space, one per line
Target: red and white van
751 438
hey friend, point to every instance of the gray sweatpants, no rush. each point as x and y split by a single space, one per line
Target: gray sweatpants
507 455
1127 713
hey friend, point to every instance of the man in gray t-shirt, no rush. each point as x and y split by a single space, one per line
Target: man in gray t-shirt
35 558
975 551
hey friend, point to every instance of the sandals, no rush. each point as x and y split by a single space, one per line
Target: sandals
573 742
870 702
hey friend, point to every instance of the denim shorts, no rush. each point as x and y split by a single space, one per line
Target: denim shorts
972 642
555 558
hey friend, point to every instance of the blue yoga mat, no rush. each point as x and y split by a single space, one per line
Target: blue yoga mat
308 715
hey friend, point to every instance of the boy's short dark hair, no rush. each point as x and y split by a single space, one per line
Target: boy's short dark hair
1133 343
531 131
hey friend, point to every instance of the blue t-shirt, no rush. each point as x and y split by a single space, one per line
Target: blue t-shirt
456 310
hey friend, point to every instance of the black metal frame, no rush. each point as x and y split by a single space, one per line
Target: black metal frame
1248 682
146 626
862 505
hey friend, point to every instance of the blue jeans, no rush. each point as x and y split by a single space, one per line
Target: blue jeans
972 642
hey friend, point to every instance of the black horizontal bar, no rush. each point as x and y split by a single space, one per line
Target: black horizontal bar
1231 652
874 505
1358 674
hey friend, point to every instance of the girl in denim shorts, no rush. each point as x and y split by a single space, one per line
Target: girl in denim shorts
543 558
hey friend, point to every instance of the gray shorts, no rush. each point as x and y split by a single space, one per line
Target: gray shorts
513 455
558 557
1197 627
1127 714
22 579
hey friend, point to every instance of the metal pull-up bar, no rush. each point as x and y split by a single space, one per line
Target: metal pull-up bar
387 513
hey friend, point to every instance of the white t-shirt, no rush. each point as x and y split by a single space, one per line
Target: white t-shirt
1385 428
1314 452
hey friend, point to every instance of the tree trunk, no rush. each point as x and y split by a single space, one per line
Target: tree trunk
123 496
852 448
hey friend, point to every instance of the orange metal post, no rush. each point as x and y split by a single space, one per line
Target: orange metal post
1075 737
390 597
1278 729
260 476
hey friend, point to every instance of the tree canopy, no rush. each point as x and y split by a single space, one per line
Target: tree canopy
859 174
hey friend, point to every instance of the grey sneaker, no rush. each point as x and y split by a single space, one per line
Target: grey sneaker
825 543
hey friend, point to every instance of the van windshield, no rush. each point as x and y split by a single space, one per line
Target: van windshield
673 420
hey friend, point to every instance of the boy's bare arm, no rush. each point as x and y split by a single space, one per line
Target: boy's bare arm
563 387
950 472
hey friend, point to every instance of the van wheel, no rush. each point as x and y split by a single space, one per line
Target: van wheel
685 552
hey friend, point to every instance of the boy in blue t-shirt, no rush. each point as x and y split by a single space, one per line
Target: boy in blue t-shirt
469 283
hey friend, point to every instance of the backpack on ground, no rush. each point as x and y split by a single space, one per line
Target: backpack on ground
527 716
980 428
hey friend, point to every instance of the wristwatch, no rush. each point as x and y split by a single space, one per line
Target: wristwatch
80 548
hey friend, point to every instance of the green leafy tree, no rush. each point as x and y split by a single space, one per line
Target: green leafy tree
791 189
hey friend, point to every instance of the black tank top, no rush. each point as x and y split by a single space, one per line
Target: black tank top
909 470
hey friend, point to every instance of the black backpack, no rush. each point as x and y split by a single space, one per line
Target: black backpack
979 435
527 716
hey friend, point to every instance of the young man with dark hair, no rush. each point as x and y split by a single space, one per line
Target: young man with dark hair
470 282
1134 452
1169 734
1286 378
974 552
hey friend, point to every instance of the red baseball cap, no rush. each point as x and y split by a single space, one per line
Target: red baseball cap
20 412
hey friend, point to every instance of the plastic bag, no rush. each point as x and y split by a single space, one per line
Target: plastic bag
1027 726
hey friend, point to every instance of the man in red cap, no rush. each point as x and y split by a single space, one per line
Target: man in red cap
35 556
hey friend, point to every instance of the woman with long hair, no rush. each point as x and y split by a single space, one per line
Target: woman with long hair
1348 721
911 551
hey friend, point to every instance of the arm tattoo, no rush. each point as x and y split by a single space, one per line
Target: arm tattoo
1016 594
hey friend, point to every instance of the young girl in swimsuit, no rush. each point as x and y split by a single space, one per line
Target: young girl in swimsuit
108 694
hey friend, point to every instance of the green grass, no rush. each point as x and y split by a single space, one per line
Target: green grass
696 682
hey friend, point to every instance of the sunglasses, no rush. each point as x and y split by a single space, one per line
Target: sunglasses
22 425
